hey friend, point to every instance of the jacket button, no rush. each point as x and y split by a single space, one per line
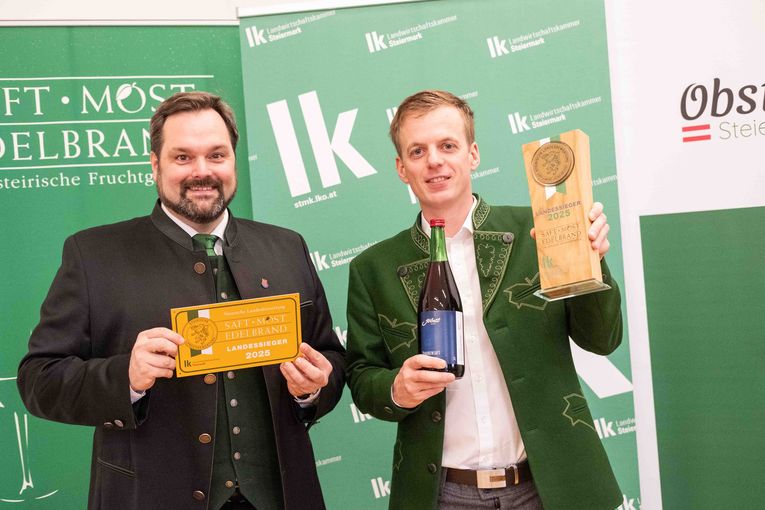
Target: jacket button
388 410
432 468
200 268
230 374
237 456
508 237
234 402
236 431
108 425
229 484
436 416
205 438
210 379
118 424
198 495
402 271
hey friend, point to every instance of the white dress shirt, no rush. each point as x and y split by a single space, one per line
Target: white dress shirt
480 430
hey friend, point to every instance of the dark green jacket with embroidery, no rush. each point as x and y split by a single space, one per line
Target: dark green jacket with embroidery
531 340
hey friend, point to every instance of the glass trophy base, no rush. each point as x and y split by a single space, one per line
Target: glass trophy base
571 290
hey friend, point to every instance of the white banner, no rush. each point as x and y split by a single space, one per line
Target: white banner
688 85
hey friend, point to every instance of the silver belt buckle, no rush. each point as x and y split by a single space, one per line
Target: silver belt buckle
492 478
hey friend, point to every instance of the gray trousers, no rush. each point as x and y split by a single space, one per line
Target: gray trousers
453 496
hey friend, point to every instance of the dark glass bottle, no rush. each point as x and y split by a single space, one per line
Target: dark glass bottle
439 310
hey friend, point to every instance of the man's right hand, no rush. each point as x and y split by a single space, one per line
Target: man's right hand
153 356
413 385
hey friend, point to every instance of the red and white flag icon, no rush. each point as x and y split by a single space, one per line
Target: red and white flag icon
697 133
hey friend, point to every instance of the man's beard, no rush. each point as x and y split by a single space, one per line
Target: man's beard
191 211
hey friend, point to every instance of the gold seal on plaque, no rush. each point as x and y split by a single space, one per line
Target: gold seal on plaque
200 333
552 163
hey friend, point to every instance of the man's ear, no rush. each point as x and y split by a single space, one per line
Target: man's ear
154 165
475 156
401 170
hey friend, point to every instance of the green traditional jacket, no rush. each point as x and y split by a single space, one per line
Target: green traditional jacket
531 340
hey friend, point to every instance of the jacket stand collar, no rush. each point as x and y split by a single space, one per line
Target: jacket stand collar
170 229
492 250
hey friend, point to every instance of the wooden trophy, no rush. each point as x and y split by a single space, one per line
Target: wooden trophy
560 185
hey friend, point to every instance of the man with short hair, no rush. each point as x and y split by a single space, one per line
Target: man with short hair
515 431
103 354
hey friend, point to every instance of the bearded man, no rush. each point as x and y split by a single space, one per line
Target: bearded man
103 355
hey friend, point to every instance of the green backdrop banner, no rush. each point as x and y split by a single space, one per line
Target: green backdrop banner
74 110
703 279
320 89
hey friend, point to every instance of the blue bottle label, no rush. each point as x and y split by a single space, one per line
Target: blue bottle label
441 335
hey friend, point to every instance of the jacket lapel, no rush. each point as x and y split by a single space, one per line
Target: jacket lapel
239 256
492 253
412 275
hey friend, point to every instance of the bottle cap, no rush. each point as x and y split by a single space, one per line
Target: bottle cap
437 222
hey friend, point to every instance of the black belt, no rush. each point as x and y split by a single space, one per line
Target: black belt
490 478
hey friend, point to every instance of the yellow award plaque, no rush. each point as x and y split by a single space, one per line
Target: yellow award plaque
560 185
237 334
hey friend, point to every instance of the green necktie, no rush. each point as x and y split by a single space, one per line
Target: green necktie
206 242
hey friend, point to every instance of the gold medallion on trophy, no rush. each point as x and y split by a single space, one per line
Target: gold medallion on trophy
552 163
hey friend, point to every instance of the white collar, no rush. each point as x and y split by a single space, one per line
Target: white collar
466 225
217 231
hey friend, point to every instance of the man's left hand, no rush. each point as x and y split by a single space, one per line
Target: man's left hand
598 233
308 373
